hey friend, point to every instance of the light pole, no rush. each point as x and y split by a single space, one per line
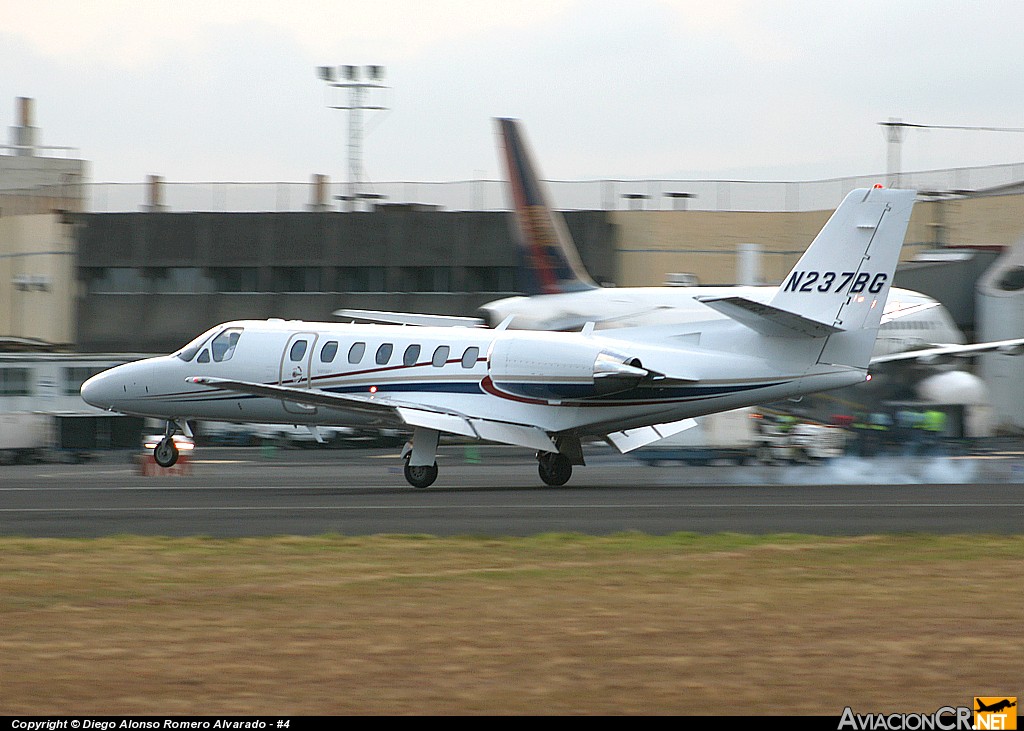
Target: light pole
358 80
896 128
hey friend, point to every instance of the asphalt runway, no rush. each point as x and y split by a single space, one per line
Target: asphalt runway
495 491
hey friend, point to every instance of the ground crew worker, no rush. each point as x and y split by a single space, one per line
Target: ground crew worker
934 424
908 423
860 429
880 424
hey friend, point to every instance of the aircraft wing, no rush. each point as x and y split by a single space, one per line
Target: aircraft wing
895 313
927 355
409 318
408 413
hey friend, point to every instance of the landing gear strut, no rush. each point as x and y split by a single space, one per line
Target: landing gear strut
420 457
554 468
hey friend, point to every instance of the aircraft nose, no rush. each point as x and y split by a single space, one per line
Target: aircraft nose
98 391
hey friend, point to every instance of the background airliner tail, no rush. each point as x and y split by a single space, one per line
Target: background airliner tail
549 260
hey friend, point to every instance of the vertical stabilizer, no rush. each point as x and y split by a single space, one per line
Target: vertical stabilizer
843 278
549 261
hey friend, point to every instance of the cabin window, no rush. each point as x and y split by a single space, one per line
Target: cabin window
75 376
384 353
469 358
298 350
329 351
412 354
204 357
223 346
355 353
440 356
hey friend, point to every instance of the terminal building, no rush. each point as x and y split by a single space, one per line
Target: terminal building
84 274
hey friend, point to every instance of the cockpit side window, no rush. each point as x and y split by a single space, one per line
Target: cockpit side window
204 357
223 346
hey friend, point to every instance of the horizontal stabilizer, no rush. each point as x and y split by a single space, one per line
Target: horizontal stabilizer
408 318
768 320
630 439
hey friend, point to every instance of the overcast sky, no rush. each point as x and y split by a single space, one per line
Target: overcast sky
224 90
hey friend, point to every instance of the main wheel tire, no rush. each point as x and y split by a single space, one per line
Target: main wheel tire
554 469
420 477
165 453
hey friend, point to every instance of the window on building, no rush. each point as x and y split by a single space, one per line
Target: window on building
185 280
296 279
359 279
15 382
75 376
235 279
117 280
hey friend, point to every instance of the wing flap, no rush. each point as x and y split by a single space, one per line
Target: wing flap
630 439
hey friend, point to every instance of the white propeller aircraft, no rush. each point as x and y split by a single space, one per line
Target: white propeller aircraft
543 390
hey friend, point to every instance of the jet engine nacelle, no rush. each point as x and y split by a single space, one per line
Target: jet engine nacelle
550 368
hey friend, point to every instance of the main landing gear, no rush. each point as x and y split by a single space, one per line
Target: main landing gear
420 456
554 468
420 477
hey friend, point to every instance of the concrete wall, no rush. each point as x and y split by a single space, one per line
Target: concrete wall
652 244
37 278
437 262
35 184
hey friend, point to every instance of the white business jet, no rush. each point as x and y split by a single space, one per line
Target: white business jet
918 337
542 390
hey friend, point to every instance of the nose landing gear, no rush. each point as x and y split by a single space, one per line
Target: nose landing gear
165 453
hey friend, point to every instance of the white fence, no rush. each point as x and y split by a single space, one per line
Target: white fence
490 195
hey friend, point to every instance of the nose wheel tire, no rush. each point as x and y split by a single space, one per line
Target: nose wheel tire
165 453
554 469
420 477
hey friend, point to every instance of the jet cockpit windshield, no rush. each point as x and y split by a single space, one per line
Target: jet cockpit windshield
223 345
189 351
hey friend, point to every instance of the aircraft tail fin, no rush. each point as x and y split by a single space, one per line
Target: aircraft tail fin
842 281
549 260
